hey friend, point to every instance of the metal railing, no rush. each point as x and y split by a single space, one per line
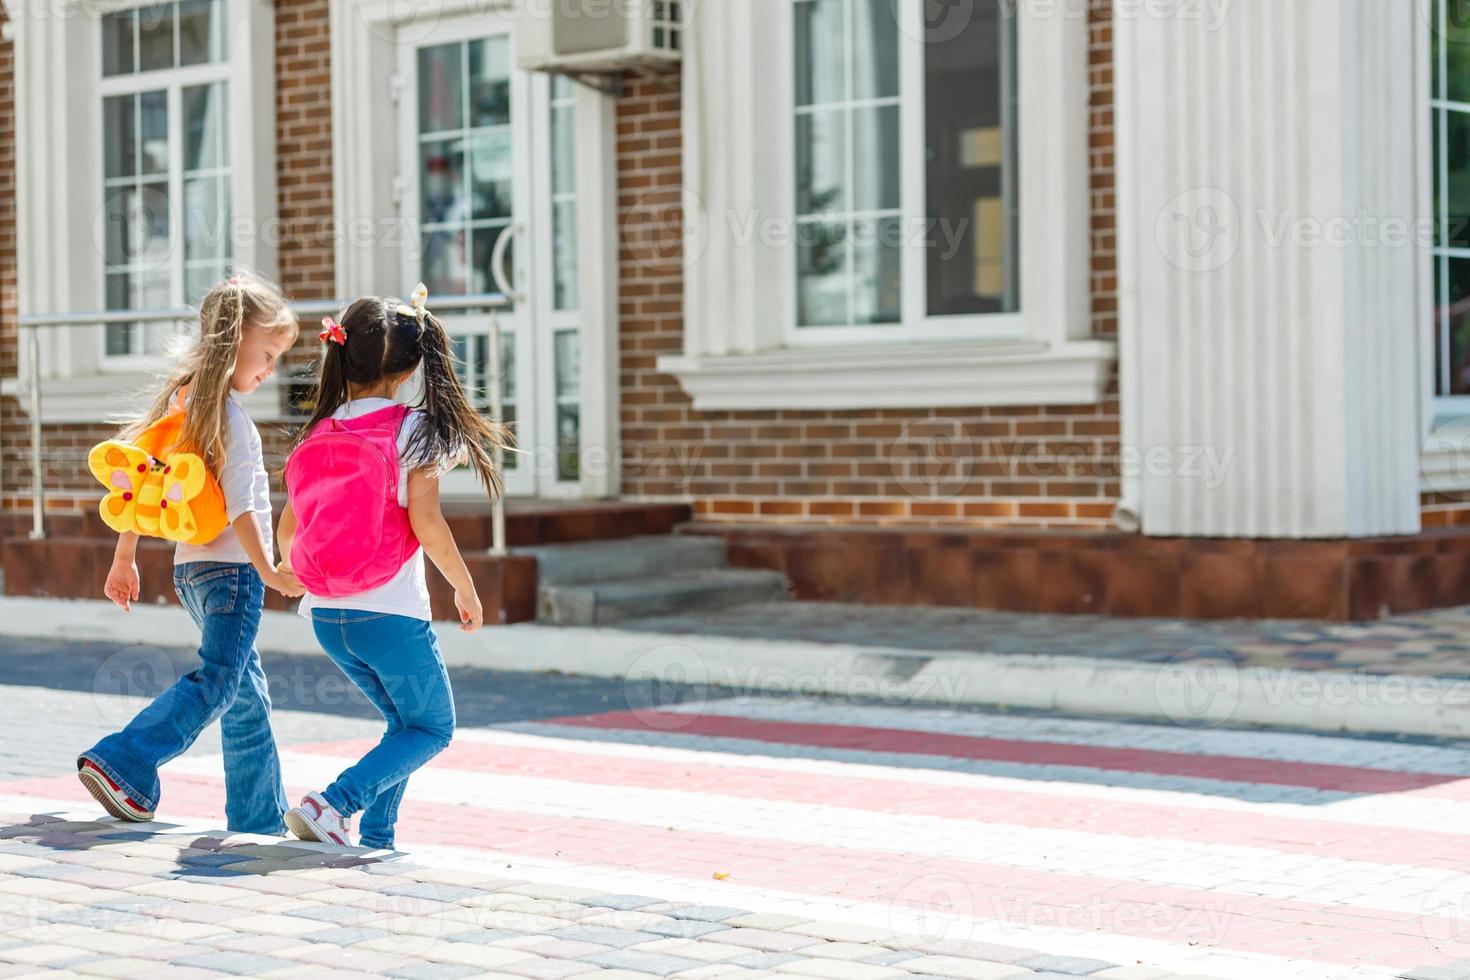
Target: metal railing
33 323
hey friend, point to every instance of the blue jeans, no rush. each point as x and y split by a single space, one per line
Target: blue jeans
225 600
395 661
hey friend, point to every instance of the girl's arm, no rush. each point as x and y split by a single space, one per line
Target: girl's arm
433 532
247 529
285 534
122 580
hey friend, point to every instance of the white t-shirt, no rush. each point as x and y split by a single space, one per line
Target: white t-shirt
246 487
406 593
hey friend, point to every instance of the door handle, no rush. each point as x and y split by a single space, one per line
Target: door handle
497 264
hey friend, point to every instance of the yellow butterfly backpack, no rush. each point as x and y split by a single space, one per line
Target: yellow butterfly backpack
158 489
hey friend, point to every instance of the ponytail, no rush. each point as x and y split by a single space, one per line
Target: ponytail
453 432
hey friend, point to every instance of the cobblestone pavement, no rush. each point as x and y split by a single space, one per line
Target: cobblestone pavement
583 827
1433 643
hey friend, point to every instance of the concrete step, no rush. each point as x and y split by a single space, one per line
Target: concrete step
613 601
626 558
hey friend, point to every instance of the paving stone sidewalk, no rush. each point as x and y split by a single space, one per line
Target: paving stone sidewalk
1434 643
103 899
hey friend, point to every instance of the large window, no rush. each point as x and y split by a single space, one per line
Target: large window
905 142
1450 93
166 170
465 160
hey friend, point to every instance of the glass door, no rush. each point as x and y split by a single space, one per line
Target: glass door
490 149
467 151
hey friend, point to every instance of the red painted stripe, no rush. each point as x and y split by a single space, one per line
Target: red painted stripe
1237 769
1308 931
1318 838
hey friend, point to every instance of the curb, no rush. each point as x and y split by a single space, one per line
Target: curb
1194 693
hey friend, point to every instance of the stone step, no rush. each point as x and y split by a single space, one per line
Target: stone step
601 603
626 558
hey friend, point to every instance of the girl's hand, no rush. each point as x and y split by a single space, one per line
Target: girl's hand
284 581
122 583
471 616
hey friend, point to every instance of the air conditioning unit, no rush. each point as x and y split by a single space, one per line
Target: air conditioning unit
599 35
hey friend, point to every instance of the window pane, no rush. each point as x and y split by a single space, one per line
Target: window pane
199 279
564 255
117 44
118 136
970 162
568 358
484 239
875 142
1459 326
1457 205
1456 41
875 49
201 32
444 263
153 113
822 279
205 112
563 164
820 40
442 182
206 218
508 392
821 154
150 219
441 88
490 173
877 273
156 37
490 82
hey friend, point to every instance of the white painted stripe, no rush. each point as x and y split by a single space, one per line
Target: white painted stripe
1407 811
1278 746
1155 860
1200 963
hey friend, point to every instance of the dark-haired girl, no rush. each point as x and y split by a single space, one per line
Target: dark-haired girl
363 510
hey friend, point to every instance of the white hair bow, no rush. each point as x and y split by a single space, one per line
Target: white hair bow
420 300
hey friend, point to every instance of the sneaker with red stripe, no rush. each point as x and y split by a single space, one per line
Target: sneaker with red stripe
110 795
316 820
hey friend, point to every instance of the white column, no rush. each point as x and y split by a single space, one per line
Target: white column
1269 184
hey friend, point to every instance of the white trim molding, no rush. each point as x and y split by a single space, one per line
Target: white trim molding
920 375
738 169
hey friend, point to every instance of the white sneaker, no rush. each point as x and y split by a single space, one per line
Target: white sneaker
316 820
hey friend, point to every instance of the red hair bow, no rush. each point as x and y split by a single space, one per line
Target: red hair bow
333 331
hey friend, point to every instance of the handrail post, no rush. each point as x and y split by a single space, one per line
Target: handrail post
38 482
497 452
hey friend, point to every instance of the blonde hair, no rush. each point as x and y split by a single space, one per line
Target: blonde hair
208 365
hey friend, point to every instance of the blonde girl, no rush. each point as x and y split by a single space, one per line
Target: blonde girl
245 327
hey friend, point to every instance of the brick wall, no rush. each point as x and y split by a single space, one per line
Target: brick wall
1002 467
306 270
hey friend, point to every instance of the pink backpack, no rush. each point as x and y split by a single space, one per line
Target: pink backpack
351 533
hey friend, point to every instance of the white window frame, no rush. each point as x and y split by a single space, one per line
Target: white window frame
60 185
915 323
740 348
172 81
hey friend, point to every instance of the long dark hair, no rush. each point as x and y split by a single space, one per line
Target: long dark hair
383 342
